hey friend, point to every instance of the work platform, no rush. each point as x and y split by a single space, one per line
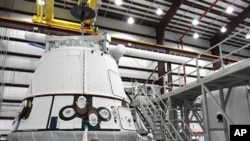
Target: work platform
177 106
236 74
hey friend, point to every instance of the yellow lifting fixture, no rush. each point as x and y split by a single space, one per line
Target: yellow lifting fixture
85 11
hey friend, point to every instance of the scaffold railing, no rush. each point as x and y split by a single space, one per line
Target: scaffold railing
180 80
154 108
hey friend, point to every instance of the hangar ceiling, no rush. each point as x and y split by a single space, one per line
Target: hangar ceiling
178 16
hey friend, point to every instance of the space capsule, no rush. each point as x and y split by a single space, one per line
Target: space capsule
76 93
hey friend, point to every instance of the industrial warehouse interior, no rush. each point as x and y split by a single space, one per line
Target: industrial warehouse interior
127 70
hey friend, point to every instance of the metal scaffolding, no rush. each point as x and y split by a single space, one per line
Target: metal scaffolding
178 103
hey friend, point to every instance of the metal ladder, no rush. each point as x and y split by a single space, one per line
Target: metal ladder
155 114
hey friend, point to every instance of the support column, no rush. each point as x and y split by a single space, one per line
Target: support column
160 35
161 64
186 112
224 119
216 51
186 119
228 95
161 73
205 115
170 79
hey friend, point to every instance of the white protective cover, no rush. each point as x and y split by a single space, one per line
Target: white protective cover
77 70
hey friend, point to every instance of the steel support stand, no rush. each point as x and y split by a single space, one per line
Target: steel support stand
228 95
186 123
224 120
197 116
205 115
218 105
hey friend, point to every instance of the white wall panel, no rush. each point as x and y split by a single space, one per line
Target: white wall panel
14 33
17 77
25 48
19 62
9 109
17 93
5 126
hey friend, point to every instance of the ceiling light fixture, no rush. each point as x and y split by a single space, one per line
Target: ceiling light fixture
41 2
196 35
248 35
159 11
118 2
223 29
229 10
130 20
195 22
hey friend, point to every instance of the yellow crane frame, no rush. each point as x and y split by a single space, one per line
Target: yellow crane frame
49 19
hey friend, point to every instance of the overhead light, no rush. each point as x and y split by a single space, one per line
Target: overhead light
41 2
223 29
129 44
195 22
130 20
229 10
248 35
196 35
159 11
118 2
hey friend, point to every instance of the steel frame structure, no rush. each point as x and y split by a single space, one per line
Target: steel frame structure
237 74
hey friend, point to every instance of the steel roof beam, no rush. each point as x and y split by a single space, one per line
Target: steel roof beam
231 26
160 27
